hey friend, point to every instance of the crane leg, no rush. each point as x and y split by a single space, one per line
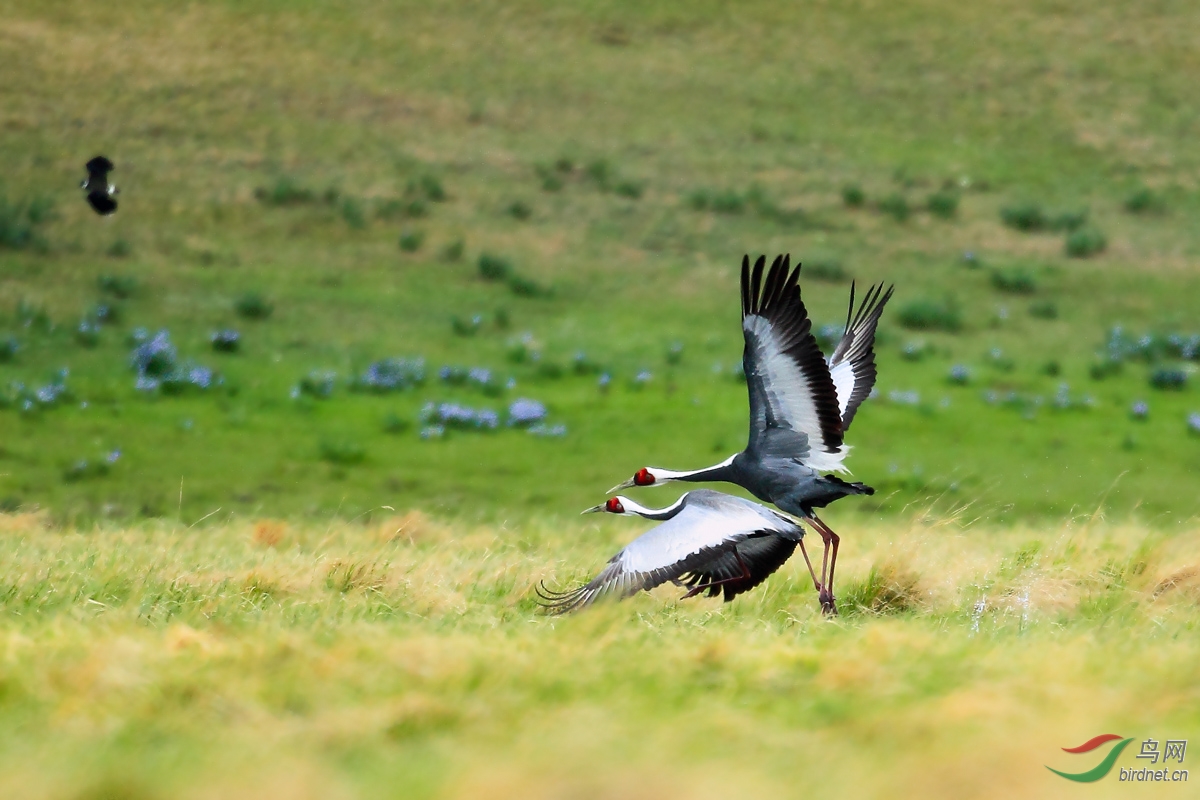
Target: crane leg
803 552
825 553
832 540
824 532
706 586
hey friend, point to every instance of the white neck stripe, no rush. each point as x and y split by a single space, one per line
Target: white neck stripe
664 475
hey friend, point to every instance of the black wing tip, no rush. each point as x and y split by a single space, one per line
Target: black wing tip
891 289
756 283
873 303
779 301
745 285
758 296
862 322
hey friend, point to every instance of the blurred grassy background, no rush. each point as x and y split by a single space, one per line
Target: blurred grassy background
276 580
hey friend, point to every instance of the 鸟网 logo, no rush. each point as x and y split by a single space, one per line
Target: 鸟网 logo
1106 764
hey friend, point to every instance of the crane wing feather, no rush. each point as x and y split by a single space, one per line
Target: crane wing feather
707 520
788 379
852 365
762 554
697 536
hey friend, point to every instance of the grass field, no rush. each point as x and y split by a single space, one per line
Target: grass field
291 172
407 657
200 567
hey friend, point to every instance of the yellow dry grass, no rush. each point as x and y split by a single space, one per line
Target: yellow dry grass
348 660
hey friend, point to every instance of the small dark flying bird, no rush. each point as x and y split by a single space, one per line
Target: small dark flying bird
99 191
801 404
708 542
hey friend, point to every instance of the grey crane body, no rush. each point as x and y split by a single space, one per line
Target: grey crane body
786 482
707 542
801 403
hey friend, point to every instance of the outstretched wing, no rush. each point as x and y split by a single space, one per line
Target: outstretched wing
620 578
693 540
762 555
852 365
792 396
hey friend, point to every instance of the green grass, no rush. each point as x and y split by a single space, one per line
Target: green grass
1085 242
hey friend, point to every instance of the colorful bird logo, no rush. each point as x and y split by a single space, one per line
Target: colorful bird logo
1100 770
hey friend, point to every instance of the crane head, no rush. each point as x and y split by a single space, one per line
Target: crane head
643 477
612 505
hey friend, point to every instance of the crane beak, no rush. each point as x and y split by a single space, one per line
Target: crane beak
592 510
621 486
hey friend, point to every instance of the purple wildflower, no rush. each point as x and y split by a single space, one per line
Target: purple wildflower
393 374
455 416
199 376
524 412
46 395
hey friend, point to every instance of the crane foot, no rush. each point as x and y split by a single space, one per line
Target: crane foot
828 605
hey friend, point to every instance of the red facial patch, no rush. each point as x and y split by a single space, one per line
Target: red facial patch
643 477
613 506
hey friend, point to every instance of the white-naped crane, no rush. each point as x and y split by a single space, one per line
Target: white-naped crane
99 191
708 542
801 404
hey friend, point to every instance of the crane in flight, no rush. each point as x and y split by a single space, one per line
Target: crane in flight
708 542
801 404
